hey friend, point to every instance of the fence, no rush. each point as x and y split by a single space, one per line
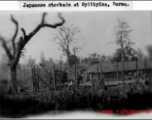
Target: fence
38 78
35 78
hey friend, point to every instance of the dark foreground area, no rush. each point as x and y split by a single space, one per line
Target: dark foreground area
24 105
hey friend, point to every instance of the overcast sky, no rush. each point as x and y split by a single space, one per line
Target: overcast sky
96 31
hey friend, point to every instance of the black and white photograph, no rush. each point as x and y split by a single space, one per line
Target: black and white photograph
56 62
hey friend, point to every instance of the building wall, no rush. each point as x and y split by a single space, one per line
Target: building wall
129 75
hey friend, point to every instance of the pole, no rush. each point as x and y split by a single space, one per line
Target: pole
78 68
75 69
97 71
137 71
117 75
61 73
145 65
123 80
33 78
101 66
54 78
101 74
60 63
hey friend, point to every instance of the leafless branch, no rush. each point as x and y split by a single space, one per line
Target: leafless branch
24 33
15 34
4 45
43 18
41 25
23 40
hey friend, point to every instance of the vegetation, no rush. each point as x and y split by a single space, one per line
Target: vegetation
82 99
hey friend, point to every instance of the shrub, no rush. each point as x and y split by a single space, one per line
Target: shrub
76 99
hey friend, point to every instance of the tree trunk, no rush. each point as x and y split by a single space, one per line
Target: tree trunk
13 81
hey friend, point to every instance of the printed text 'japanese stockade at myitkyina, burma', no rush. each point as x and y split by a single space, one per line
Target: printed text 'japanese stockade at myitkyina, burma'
76 4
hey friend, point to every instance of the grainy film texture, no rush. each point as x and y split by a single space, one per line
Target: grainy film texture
66 61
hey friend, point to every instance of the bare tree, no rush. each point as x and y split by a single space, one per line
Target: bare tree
94 58
121 32
15 54
65 37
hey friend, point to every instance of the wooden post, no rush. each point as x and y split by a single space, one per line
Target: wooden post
54 78
78 68
35 78
137 71
122 62
117 74
97 71
61 73
101 67
32 69
37 81
107 80
50 77
60 63
92 81
75 70
101 74
78 80
145 63
34 85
